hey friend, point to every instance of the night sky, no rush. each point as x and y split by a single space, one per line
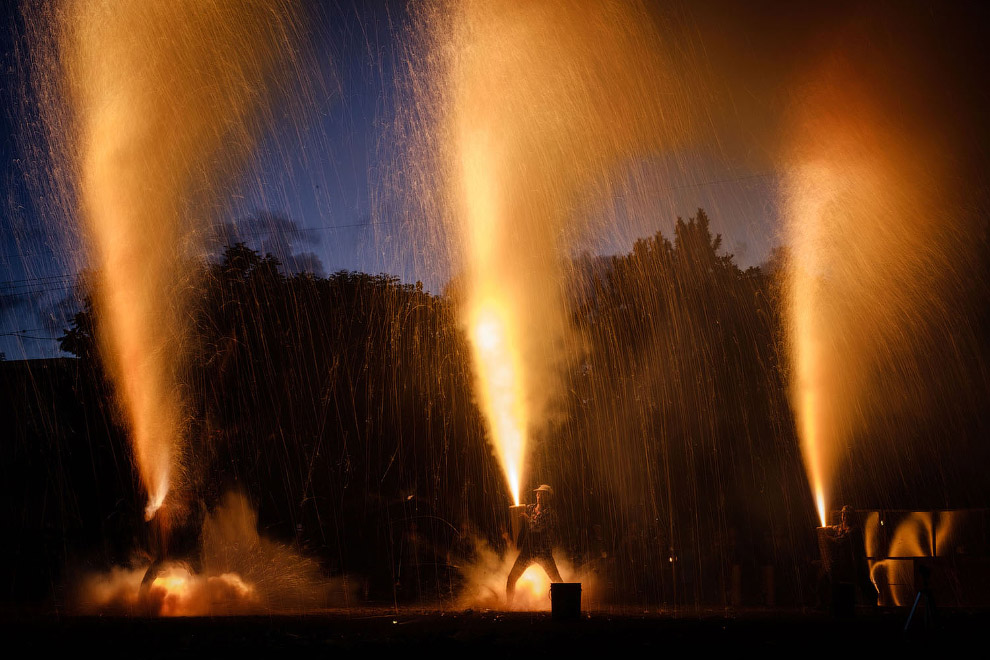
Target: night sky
312 194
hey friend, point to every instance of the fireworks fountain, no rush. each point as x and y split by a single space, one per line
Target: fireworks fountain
878 278
526 134
522 122
152 112
162 105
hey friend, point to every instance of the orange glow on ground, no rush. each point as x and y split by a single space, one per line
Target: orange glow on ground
178 592
533 590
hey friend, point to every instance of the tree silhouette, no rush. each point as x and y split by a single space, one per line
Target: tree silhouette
343 407
80 338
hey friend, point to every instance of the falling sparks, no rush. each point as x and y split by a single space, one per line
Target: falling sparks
525 119
871 265
630 381
162 97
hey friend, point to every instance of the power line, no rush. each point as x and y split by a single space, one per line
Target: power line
23 294
37 287
254 233
34 279
23 335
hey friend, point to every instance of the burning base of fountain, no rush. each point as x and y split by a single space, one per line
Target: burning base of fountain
484 575
234 571
175 590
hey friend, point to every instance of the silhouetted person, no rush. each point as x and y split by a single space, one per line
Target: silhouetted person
849 551
176 535
538 537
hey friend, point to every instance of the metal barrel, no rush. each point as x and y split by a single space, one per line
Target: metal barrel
517 521
565 601
826 548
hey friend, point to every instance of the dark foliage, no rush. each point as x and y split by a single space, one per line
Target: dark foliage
342 406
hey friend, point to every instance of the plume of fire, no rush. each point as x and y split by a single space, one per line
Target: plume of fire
523 119
161 99
868 261
502 393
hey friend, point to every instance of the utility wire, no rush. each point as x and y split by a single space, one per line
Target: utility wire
21 335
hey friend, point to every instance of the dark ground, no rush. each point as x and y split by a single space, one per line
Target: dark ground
486 632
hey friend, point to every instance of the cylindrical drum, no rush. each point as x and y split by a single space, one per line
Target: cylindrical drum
825 548
517 521
565 601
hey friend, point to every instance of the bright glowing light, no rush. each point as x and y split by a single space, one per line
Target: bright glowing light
530 123
500 387
533 589
175 591
182 593
820 499
175 582
155 499
132 71
868 260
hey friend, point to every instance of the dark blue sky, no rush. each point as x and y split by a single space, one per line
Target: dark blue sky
310 195
305 197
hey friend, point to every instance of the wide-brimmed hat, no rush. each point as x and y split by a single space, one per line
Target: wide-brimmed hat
544 489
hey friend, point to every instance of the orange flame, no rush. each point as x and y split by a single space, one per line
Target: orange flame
530 119
499 368
133 72
533 590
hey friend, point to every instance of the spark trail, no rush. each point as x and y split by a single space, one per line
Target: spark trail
161 106
530 110
874 267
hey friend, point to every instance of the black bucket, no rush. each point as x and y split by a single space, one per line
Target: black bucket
565 601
